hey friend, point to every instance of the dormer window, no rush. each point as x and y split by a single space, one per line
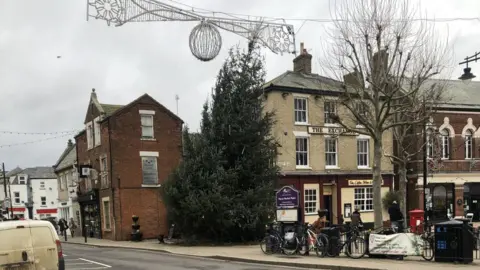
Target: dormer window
21 180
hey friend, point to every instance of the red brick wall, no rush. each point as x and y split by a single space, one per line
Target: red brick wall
132 198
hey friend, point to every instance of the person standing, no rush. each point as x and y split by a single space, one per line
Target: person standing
73 227
356 218
62 226
396 216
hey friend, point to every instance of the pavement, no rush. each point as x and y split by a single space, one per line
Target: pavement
253 254
79 257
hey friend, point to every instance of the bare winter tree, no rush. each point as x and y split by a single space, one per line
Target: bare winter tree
384 55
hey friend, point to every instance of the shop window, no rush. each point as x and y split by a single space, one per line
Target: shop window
106 213
364 199
300 110
301 151
310 200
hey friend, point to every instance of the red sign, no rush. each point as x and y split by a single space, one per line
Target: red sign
46 211
18 209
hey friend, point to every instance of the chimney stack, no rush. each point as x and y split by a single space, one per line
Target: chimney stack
70 143
303 62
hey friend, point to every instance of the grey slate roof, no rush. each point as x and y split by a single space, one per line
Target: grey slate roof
40 173
305 81
67 159
458 94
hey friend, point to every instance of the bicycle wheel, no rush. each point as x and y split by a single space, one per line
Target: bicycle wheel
304 246
269 245
355 248
321 246
428 251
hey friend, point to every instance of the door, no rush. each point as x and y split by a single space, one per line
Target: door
475 207
19 251
44 247
327 202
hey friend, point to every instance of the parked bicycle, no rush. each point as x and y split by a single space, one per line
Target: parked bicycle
353 244
311 241
274 242
428 240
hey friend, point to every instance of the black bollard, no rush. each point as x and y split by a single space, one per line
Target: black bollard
85 232
65 233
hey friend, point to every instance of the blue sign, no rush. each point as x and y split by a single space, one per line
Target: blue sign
287 197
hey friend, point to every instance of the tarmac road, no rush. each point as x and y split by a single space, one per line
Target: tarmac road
79 257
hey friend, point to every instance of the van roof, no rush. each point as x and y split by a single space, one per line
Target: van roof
11 224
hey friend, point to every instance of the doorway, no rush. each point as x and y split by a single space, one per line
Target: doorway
327 202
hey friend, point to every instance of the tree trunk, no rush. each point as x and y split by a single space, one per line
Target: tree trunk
402 188
377 181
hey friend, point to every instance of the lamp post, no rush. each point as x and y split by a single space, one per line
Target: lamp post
29 206
425 166
467 71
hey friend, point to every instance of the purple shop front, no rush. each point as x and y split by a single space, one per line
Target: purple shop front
287 197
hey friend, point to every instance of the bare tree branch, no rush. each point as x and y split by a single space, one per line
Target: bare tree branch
386 58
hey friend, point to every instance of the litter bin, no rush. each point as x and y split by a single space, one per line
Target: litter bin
333 234
453 242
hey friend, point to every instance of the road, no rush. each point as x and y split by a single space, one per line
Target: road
78 257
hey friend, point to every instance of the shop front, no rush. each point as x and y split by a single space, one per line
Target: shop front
471 200
90 213
338 194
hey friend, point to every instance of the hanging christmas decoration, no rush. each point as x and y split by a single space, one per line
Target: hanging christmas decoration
205 39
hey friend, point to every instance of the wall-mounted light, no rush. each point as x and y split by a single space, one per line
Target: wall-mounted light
285 94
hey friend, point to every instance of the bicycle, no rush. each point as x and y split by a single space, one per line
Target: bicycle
276 243
312 241
428 238
352 238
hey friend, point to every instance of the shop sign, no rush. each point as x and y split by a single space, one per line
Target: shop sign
361 182
336 131
287 197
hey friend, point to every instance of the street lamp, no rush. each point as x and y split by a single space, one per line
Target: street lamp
467 75
29 206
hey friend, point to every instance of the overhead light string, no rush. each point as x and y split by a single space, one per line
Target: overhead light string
38 133
36 141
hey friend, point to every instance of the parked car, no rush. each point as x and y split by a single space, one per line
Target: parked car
30 244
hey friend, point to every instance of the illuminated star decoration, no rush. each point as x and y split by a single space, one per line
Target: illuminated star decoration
108 10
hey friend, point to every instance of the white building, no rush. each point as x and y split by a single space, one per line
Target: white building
35 188
67 179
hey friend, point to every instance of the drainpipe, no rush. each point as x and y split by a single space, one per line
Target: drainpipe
111 180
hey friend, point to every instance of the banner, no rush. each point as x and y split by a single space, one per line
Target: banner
408 244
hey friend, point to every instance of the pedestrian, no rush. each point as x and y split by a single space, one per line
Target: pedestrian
356 219
62 226
320 223
73 227
396 217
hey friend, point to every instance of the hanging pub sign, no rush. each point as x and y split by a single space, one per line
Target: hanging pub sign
287 197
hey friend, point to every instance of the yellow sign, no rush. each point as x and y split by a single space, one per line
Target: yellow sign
361 182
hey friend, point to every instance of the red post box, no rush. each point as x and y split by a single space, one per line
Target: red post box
416 221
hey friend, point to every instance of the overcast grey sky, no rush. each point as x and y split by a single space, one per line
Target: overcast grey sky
43 93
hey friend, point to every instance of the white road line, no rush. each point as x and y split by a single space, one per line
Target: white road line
87 268
104 265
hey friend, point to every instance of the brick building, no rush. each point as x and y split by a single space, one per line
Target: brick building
453 156
330 167
131 149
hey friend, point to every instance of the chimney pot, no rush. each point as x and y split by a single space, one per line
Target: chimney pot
303 62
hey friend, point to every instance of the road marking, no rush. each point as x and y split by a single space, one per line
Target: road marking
104 265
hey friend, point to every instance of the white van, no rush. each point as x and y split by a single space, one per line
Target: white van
30 244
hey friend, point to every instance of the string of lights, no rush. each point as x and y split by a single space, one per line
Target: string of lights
38 133
36 141
266 18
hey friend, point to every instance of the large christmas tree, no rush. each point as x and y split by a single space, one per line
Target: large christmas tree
223 190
